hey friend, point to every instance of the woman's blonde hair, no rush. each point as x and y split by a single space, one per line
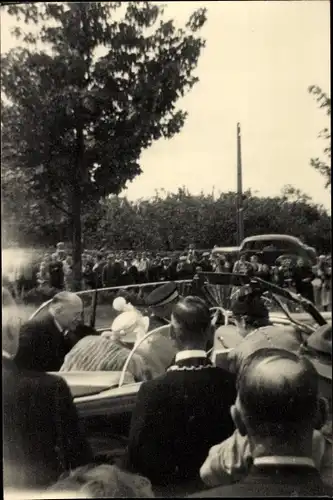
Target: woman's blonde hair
104 481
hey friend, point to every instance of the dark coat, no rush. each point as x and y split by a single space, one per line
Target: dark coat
42 346
178 417
273 481
56 271
39 417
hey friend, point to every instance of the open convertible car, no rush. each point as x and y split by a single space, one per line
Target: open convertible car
105 400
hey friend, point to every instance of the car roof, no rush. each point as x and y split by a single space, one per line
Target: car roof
225 249
272 237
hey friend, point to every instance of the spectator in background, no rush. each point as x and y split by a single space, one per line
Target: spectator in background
205 263
255 265
68 273
109 275
43 275
89 275
61 252
277 408
56 273
241 265
324 274
303 277
166 269
98 270
41 434
143 268
179 415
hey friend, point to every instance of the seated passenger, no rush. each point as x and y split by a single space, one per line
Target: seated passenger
41 433
231 460
181 414
108 352
102 481
47 338
277 408
159 350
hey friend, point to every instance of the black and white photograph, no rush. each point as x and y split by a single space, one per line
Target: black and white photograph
166 249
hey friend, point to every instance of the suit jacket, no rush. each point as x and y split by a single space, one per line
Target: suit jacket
42 437
273 480
42 346
177 418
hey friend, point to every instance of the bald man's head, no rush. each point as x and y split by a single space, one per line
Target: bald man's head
67 309
277 393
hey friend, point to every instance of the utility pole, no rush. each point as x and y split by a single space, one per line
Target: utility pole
240 220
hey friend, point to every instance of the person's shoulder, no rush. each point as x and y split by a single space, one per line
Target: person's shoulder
224 375
219 491
152 388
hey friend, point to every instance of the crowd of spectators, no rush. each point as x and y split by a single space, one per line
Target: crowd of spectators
260 426
103 269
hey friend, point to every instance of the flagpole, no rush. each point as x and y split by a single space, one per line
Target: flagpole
240 220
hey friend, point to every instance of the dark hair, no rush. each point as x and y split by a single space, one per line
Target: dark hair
193 317
252 308
277 404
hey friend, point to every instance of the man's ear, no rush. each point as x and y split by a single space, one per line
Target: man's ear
321 414
238 420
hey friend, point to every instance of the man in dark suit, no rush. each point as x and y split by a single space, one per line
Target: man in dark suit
181 414
41 434
46 339
277 407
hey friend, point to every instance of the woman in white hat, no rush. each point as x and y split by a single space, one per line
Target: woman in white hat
109 351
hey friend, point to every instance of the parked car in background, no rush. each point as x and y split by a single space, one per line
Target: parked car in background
272 246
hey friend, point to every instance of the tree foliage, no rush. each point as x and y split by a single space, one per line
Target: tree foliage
323 167
80 112
170 221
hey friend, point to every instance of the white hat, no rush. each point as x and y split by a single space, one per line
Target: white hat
129 324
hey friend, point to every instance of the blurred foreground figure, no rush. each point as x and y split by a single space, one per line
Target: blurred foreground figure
181 414
42 438
103 481
231 460
277 408
48 337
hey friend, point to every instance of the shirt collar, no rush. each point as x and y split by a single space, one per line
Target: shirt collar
284 460
187 354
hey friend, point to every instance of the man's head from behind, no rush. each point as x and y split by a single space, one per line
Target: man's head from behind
277 404
67 309
10 323
191 323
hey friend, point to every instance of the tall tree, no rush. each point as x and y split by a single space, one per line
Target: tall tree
80 112
323 167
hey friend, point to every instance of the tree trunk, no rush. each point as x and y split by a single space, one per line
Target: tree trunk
76 211
76 237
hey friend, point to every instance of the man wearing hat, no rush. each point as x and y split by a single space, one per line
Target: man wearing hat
159 350
250 313
205 263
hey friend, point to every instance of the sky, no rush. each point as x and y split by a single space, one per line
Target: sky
259 60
